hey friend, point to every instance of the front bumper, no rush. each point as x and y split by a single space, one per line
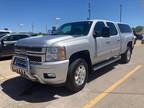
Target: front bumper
40 72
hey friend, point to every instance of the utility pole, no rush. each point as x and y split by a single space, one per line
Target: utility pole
121 7
57 19
46 27
89 9
32 27
21 27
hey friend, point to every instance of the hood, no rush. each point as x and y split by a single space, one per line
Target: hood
42 41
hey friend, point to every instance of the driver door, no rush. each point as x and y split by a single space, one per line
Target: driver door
103 44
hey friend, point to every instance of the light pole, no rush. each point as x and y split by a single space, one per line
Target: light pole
89 9
20 27
46 27
121 7
32 27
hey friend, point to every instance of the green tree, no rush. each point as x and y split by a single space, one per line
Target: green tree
139 29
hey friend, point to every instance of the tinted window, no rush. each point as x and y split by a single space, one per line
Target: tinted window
74 29
17 37
66 29
113 30
124 28
3 33
7 38
98 28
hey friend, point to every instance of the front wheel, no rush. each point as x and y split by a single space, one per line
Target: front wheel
125 58
77 75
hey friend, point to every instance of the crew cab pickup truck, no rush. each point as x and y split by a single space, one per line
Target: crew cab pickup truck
72 52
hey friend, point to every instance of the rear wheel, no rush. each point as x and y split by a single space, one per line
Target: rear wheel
77 75
125 58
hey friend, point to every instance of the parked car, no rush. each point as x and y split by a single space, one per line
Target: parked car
138 37
4 32
142 40
7 43
72 52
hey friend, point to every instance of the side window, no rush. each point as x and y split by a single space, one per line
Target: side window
8 38
17 37
113 30
66 29
98 28
3 33
24 36
124 28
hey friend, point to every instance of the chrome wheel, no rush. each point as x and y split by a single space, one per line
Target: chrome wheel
80 75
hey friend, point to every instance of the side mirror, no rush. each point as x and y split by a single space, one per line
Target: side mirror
53 32
106 32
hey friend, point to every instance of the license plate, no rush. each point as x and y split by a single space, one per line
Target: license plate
20 65
21 62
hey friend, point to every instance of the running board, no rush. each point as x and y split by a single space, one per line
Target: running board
105 63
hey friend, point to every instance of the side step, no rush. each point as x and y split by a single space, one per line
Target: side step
105 63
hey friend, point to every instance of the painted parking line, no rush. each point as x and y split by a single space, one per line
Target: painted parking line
7 77
1 78
11 76
138 45
98 98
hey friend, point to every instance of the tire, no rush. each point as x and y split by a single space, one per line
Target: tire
125 58
78 69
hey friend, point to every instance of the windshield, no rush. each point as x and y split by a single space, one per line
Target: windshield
74 29
3 33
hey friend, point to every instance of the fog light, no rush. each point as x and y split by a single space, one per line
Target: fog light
49 75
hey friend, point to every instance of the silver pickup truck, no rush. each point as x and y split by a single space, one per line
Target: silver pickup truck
72 52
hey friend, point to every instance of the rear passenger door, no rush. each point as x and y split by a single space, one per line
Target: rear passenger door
115 39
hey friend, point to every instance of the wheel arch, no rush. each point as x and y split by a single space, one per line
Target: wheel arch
84 55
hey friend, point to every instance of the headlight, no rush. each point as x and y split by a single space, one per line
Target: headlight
55 54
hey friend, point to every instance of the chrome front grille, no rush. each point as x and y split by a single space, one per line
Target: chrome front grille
35 59
35 54
29 49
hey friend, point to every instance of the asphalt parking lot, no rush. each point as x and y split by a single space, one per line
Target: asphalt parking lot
115 86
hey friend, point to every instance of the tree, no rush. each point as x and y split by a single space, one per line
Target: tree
139 29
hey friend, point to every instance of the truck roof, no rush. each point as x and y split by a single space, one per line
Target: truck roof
95 20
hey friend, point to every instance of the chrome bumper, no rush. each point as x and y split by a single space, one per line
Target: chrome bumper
45 73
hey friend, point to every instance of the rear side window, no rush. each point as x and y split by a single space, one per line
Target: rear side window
124 28
113 30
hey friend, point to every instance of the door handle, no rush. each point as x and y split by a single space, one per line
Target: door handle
118 40
107 42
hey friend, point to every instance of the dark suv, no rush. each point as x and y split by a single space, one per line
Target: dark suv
7 43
